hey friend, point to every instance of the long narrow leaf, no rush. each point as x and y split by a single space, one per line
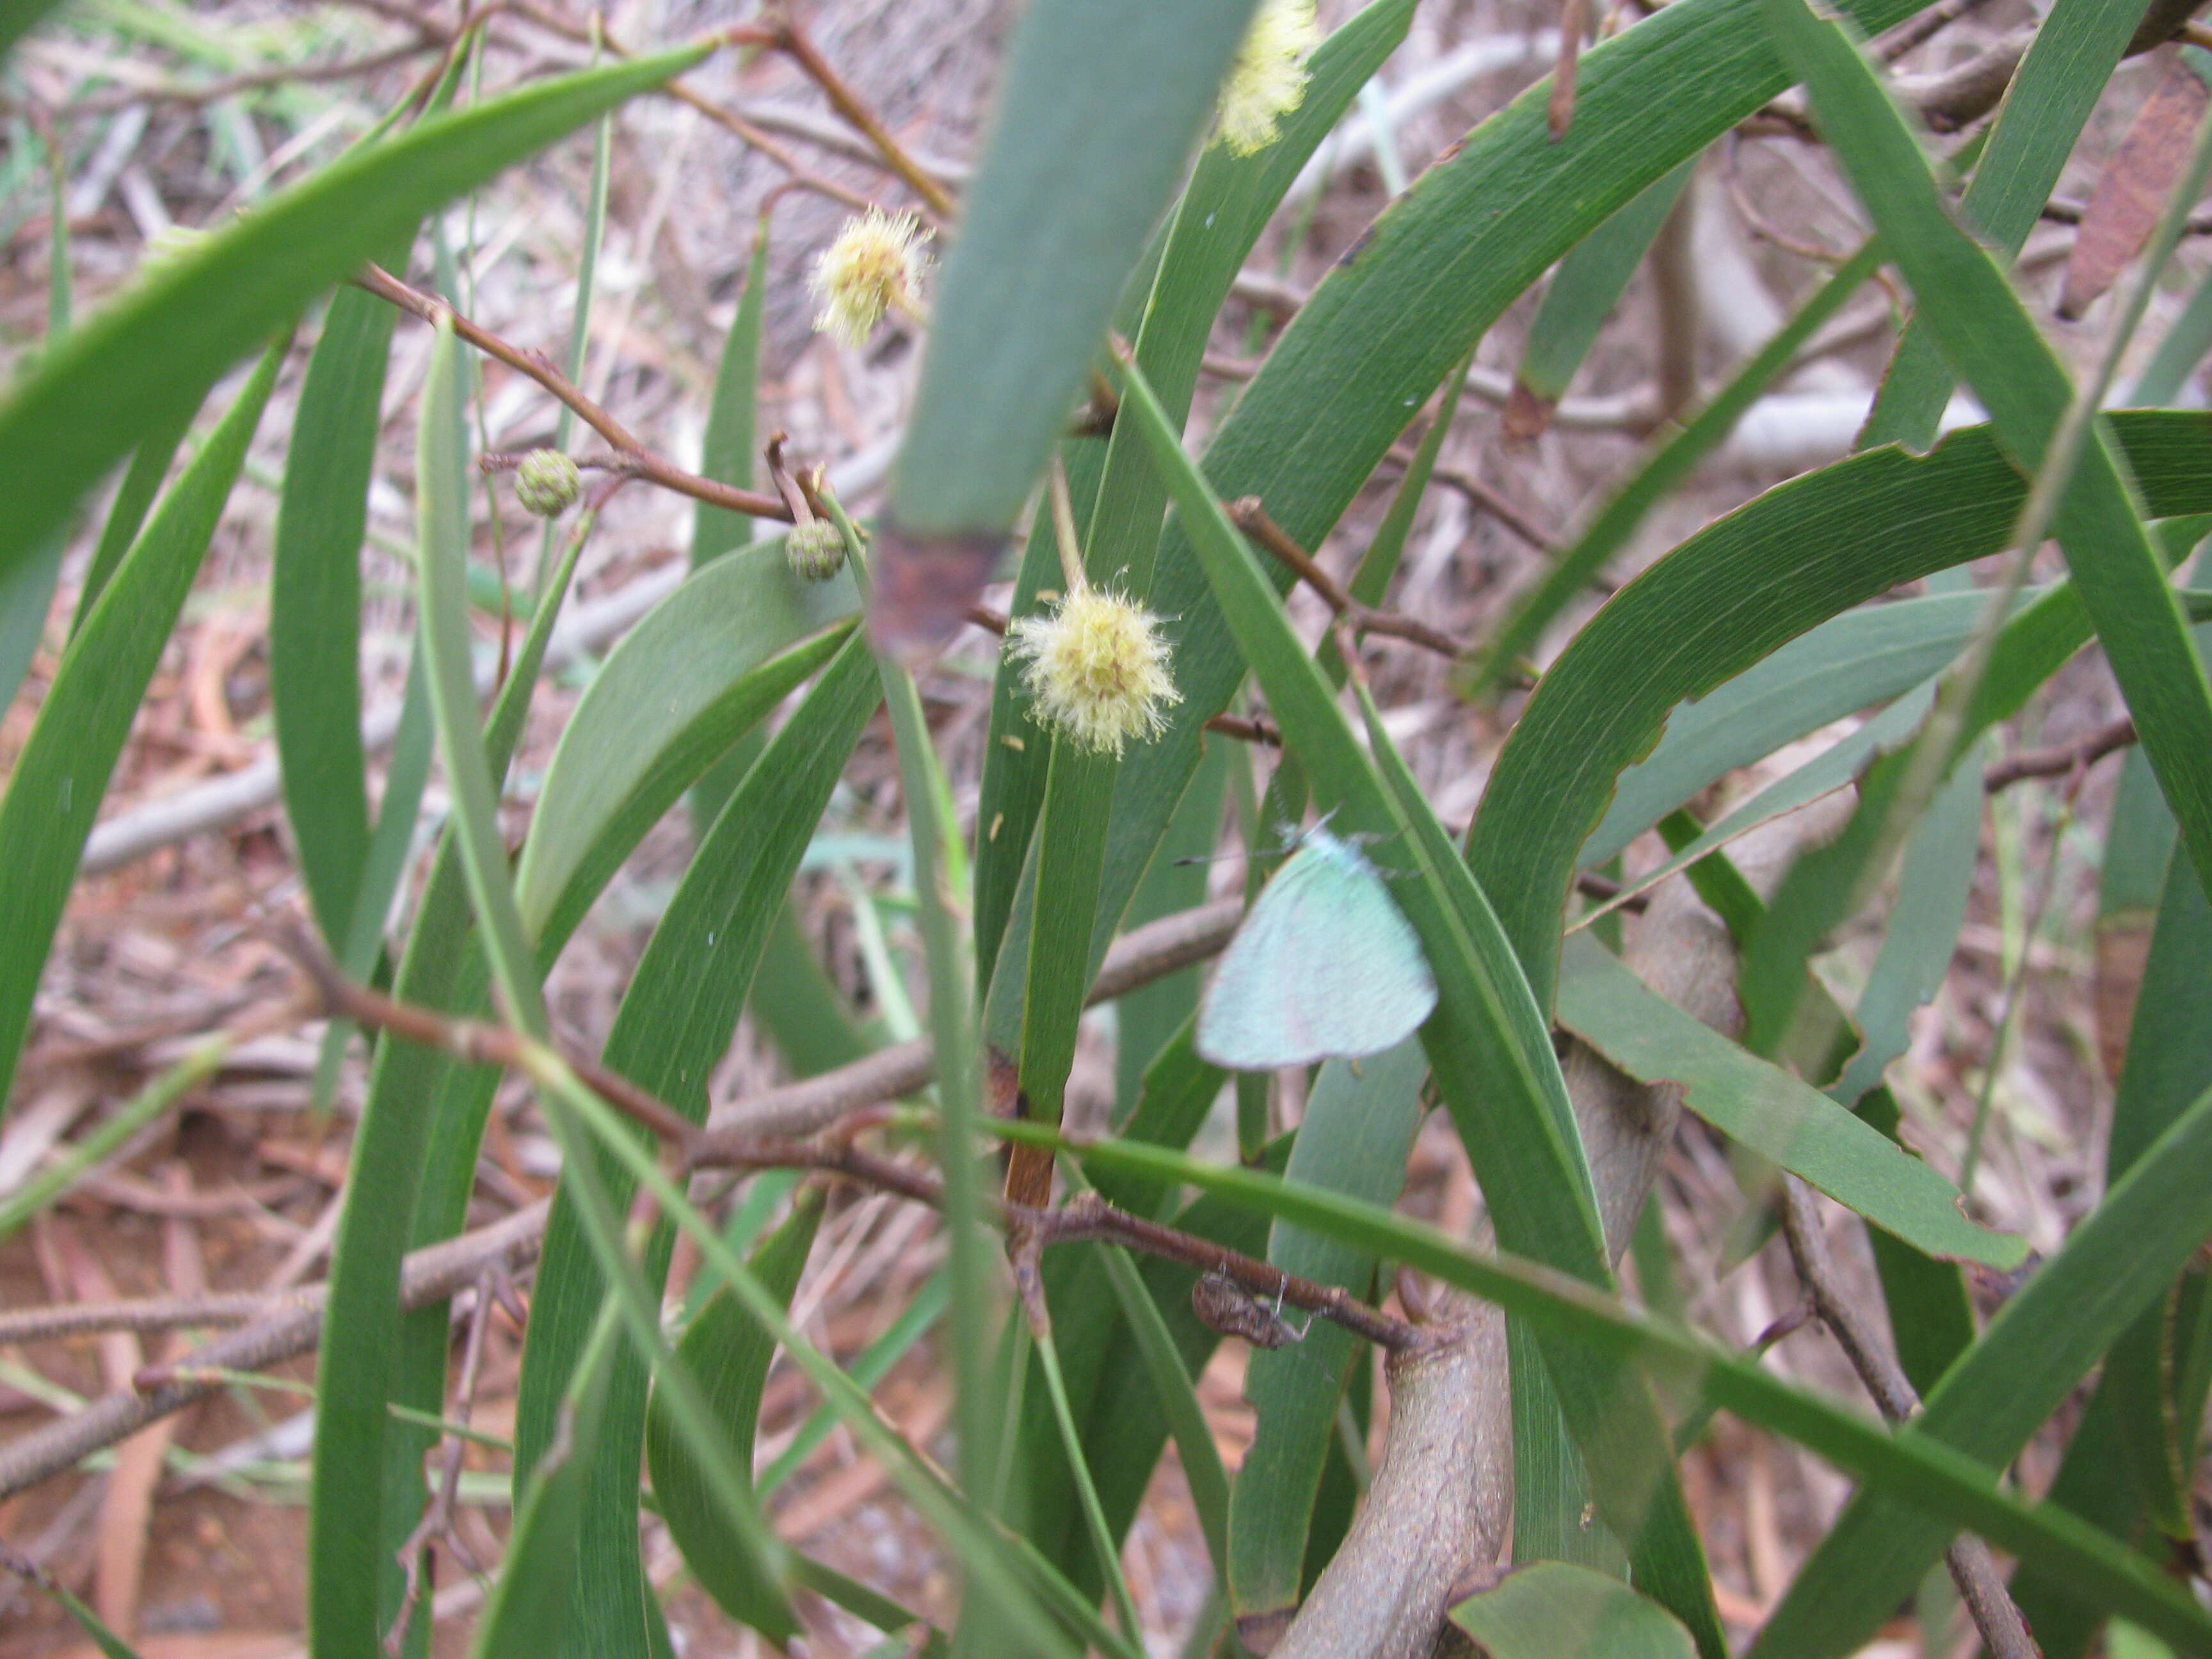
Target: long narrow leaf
55 787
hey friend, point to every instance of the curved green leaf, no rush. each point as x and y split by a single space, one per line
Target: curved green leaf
1556 1610
1782 564
1761 1106
55 787
314 601
704 663
129 369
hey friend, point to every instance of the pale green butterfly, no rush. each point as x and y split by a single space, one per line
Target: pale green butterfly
1325 963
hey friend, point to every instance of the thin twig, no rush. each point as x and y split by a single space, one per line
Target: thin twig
633 459
1920 30
2063 211
2003 1631
1251 517
2066 759
782 31
1084 1219
437 1520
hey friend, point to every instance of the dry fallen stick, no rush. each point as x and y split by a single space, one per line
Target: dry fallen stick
431 1274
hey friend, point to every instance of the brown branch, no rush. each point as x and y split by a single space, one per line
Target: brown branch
2061 761
1920 30
633 459
2004 1633
1249 515
782 31
2062 210
143 1315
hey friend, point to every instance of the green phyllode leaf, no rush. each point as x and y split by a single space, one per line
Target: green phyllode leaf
731 1352
91 402
55 787
1766 1109
1556 1610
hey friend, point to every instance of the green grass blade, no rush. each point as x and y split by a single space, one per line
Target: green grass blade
1086 1491
1584 290
2178 353
448 650
726 452
1185 1419
1988 338
1764 1107
1923 929
141 482
55 787
314 599
731 1354
94 401
54 1179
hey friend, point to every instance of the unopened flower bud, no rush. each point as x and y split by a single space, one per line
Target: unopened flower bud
815 550
547 482
1097 670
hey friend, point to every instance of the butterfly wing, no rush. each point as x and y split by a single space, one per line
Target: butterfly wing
1325 964
1366 986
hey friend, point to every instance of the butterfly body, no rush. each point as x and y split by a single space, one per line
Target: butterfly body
1325 964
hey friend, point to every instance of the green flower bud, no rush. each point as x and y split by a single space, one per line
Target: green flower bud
547 482
815 550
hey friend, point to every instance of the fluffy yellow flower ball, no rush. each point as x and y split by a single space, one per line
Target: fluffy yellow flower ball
1098 671
876 264
1269 79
